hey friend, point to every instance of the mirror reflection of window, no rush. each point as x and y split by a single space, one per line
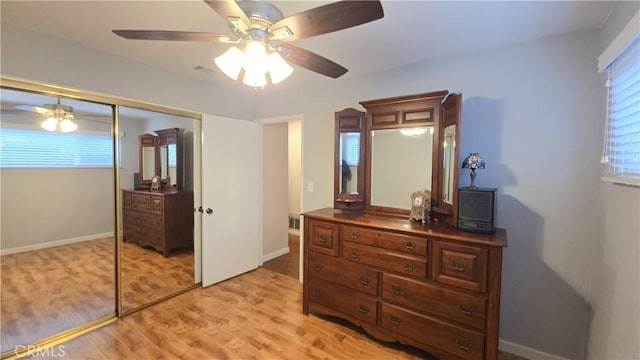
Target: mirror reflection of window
449 146
350 159
172 161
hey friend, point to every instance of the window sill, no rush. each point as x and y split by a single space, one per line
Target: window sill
621 181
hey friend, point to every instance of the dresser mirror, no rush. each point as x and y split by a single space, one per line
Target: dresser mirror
161 155
410 146
168 165
401 163
148 161
448 164
349 160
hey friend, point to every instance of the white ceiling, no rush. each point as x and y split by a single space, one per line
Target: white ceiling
410 32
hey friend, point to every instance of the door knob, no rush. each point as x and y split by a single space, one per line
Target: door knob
200 209
209 211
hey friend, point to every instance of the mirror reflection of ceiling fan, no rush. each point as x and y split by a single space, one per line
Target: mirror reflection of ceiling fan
260 29
58 117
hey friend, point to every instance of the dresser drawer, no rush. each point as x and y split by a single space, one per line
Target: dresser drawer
323 237
463 343
343 300
153 238
152 221
385 239
130 217
384 259
142 207
349 274
157 205
454 305
464 266
131 232
126 200
140 198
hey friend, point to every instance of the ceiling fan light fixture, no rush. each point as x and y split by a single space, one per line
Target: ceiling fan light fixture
67 125
278 68
255 58
50 124
254 79
230 62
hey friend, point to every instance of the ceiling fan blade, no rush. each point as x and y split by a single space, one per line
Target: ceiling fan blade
311 61
36 109
327 18
173 35
231 12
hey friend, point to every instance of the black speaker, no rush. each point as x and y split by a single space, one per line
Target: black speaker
477 210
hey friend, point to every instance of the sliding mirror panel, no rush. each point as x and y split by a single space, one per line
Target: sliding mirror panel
57 212
157 216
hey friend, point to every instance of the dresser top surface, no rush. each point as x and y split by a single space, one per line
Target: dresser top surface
164 191
404 225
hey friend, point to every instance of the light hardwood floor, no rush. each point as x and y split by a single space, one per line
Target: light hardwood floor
45 292
257 315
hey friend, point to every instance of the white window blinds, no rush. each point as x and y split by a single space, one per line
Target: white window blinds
622 132
41 149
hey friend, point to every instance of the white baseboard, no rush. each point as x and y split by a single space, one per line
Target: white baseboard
49 244
527 352
275 254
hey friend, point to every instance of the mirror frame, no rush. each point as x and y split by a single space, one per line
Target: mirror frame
147 140
168 137
349 121
437 109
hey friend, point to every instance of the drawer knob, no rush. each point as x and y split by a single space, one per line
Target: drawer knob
364 309
323 238
409 267
395 320
316 292
465 345
410 245
364 280
458 265
396 289
355 235
354 254
318 267
465 309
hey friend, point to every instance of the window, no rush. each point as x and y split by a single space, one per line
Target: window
21 148
621 150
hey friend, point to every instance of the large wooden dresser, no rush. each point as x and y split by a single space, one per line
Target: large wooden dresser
429 286
162 220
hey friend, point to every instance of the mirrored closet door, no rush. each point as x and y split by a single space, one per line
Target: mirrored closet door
57 212
157 213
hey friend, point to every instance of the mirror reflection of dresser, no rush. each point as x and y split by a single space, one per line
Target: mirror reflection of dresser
157 219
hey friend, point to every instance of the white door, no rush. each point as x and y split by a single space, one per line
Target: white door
231 198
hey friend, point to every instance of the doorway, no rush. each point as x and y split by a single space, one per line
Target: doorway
282 195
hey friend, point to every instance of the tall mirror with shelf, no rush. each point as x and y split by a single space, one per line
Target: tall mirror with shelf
147 158
349 160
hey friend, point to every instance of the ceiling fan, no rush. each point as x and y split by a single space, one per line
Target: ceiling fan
265 33
58 117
